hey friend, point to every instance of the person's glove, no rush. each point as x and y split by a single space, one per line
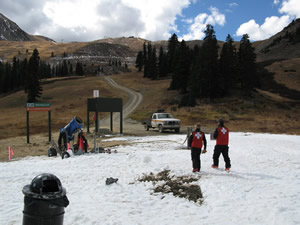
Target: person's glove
204 151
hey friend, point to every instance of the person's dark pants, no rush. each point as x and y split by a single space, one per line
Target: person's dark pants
62 137
195 153
221 149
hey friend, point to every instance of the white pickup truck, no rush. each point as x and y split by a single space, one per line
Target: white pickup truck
163 121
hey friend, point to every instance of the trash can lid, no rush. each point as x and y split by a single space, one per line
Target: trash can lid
44 186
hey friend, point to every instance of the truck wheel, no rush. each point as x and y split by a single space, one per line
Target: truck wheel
160 128
177 130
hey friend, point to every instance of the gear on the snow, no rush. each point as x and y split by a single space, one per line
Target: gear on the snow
111 180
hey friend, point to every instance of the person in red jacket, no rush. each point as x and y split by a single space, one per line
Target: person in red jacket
195 142
82 142
221 135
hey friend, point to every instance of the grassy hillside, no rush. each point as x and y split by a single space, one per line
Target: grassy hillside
67 96
261 113
257 114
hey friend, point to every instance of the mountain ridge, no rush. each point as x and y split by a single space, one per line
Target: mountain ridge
283 45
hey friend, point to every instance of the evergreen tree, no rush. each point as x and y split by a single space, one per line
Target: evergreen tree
153 65
139 62
162 63
173 45
205 80
181 73
24 71
7 78
146 62
33 86
79 69
1 77
149 58
65 71
247 67
228 65
13 75
70 68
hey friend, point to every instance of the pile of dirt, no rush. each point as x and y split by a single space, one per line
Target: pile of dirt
179 186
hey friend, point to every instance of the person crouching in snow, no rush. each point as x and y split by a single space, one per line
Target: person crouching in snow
221 135
82 142
195 142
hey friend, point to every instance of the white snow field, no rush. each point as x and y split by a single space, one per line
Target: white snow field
263 187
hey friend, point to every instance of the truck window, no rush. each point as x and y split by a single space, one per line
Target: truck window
164 115
154 116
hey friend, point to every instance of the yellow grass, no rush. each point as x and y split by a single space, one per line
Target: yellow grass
287 72
9 49
258 114
68 98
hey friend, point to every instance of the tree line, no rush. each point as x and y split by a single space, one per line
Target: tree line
27 74
202 72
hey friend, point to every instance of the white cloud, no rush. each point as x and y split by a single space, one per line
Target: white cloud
290 7
188 21
196 30
94 19
271 26
234 4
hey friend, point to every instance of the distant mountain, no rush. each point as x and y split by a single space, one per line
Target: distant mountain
283 45
10 31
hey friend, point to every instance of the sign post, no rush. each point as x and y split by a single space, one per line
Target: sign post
34 107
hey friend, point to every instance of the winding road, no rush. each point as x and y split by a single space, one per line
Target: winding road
134 100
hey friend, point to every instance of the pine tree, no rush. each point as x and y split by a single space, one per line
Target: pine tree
7 78
65 71
14 71
162 63
181 73
24 71
205 80
246 56
70 68
33 86
1 77
228 66
146 61
79 69
153 65
139 62
173 45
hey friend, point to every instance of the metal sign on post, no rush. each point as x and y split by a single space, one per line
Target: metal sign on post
105 105
96 93
34 107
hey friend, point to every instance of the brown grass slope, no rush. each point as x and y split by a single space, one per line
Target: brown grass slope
69 96
283 45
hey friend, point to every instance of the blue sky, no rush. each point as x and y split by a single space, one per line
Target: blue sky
235 13
88 20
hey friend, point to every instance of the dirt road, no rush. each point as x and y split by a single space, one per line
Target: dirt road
134 98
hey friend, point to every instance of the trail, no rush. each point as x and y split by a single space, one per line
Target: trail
134 100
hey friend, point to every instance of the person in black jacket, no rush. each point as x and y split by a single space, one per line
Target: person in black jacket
195 142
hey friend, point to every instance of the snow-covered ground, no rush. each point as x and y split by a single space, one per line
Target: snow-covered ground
263 186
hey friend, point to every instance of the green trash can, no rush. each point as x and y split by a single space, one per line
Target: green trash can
44 201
